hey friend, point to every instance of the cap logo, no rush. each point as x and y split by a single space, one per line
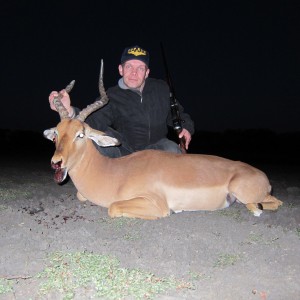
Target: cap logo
137 51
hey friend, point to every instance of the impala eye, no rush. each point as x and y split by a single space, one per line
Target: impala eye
81 135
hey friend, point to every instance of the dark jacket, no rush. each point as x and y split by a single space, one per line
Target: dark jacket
141 119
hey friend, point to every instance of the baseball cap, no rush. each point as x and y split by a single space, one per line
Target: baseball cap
135 52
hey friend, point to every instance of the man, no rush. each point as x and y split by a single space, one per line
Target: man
138 112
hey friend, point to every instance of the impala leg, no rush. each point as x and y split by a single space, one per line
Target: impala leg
142 208
271 203
80 197
255 208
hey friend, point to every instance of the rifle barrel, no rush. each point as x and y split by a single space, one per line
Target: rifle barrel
173 102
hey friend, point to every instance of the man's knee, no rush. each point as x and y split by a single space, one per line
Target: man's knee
172 147
165 145
116 151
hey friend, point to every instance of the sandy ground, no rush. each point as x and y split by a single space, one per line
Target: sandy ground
39 217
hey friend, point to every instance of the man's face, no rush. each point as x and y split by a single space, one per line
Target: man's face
134 73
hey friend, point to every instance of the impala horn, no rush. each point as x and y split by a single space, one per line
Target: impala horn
63 113
97 104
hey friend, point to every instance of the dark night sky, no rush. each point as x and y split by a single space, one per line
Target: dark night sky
234 64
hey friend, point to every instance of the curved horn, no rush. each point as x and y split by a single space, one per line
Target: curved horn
101 85
97 104
63 113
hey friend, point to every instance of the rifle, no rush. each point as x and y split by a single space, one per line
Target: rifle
176 119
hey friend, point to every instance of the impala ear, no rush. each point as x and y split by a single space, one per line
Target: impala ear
50 133
101 139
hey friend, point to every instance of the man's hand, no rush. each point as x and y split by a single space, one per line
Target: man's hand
186 137
65 101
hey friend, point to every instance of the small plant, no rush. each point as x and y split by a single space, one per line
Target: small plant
3 207
120 222
290 205
232 213
12 194
131 236
5 286
198 276
255 238
225 260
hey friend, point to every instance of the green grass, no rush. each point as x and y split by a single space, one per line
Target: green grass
225 260
259 239
13 193
5 286
120 222
231 213
10 190
68 272
289 205
198 276
255 238
131 236
3 207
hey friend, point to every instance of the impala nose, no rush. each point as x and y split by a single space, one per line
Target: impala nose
56 165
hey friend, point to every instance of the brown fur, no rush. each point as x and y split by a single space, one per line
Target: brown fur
151 184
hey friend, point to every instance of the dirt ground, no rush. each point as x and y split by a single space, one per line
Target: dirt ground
226 254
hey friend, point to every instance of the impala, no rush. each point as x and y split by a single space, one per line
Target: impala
149 184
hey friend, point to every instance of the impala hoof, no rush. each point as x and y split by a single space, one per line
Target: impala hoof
257 213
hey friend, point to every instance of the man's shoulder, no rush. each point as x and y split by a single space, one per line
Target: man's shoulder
117 94
112 89
158 85
155 81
